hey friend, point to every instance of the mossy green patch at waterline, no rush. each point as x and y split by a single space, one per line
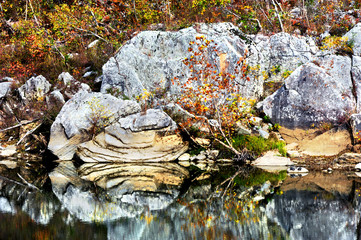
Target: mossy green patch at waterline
258 176
250 177
258 145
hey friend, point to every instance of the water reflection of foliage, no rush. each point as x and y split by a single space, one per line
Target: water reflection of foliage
226 205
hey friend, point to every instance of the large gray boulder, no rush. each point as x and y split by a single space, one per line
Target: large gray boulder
318 91
280 53
102 128
153 58
138 137
34 88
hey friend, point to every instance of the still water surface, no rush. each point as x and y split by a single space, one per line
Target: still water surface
169 201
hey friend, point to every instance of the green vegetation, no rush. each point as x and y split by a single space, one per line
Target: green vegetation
258 176
258 145
251 177
57 33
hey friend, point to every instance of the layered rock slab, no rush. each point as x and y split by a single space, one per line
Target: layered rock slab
125 190
126 134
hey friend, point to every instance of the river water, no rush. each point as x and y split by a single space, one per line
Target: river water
169 201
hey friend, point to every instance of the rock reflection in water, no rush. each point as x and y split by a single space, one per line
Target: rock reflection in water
152 201
122 190
317 206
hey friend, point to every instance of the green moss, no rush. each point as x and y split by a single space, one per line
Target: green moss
258 145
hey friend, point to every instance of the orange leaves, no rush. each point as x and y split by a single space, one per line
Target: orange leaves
211 92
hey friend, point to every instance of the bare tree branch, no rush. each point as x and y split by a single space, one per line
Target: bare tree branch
278 15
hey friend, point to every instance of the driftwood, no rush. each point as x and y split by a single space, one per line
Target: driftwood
28 184
28 133
18 125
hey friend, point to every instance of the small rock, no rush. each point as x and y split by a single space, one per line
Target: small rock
4 88
256 121
212 154
93 43
271 158
201 156
294 154
8 151
184 163
242 130
184 157
294 169
34 88
66 78
263 133
202 141
9 164
88 74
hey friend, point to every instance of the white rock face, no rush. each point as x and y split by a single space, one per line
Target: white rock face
122 132
4 88
75 120
35 87
153 58
279 53
318 91
354 38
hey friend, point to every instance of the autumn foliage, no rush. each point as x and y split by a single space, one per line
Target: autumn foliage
37 35
212 93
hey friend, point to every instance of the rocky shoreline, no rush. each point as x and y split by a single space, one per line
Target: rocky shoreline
316 108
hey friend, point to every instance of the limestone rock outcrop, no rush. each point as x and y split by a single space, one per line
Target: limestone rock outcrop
316 92
106 129
153 58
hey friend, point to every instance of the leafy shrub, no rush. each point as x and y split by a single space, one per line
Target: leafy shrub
258 145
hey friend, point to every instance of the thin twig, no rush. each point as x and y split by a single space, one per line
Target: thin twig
28 133
28 184
278 15
270 22
12 181
92 33
252 19
19 125
32 9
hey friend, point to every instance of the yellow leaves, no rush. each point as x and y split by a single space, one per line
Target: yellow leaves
337 43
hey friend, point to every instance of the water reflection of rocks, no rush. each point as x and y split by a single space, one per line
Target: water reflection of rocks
103 192
168 201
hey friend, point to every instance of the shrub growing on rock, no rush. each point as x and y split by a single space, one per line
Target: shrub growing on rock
211 93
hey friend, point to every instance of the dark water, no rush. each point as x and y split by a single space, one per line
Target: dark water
168 201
